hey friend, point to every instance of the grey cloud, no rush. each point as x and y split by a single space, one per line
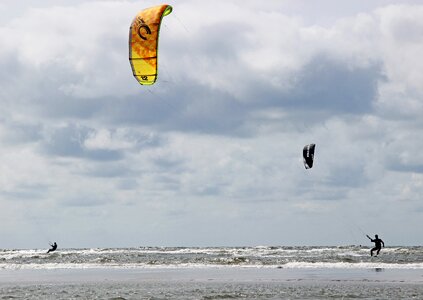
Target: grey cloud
222 42
335 87
83 200
208 111
10 69
146 108
209 190
394 163
68 141
37 92
167 182
127 184
401 167
402 24
20 132
186 108
324 85
26 192
351 176
168 163
111 170
403 152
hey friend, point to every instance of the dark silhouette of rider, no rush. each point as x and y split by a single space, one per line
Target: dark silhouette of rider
53 247
378 244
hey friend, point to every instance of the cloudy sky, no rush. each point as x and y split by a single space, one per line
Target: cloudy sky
211 155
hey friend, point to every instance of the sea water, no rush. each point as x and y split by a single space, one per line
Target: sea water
262 272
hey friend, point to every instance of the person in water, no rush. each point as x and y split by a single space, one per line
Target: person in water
378 244
53 247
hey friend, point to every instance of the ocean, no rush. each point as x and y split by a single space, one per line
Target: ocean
262 272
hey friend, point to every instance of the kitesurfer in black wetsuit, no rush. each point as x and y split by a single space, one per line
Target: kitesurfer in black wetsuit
378 245
53 247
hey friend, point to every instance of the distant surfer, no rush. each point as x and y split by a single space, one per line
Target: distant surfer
53 247
378 244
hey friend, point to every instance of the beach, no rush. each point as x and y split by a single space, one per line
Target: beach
211 283
260 272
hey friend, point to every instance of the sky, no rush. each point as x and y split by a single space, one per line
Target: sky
211 155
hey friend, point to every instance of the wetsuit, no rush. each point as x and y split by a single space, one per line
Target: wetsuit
378 245
53 248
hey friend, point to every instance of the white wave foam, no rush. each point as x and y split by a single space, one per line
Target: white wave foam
345 265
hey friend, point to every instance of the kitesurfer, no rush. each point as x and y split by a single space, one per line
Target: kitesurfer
53 247
378 245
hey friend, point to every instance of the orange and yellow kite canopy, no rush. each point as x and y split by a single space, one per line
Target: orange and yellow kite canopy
143 42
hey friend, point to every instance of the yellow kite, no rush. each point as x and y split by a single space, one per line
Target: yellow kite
143 43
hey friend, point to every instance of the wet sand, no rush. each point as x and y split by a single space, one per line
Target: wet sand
212 283
235 274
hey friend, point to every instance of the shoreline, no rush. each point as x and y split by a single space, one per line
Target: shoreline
233 274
